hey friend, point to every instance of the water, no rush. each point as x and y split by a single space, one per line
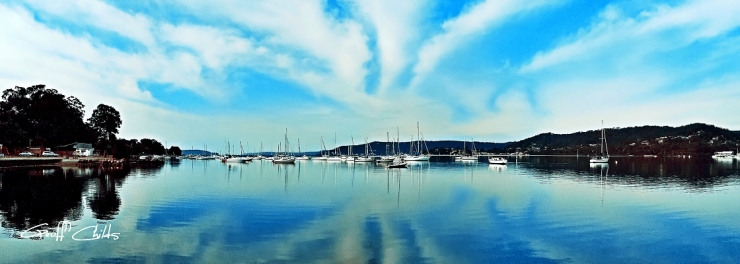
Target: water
536 209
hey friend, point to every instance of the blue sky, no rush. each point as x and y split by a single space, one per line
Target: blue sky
197 73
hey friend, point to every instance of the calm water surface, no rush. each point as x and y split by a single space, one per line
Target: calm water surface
536 209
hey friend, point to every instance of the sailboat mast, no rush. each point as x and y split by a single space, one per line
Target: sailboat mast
418 139
286 142
398 139
602 137
388 139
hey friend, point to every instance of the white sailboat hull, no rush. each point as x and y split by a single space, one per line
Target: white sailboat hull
284 161
416 158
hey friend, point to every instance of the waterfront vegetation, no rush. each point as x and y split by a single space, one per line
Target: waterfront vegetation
42 117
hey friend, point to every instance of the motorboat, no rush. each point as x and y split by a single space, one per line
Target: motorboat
497 160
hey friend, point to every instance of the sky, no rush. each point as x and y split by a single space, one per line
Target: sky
204 73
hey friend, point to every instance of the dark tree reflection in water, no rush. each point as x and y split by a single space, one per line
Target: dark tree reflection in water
32 196
104 200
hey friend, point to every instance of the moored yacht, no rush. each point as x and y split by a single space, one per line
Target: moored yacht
602 158
497 160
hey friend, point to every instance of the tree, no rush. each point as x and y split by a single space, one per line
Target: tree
41 115
121 149
175 150
151 146
105 121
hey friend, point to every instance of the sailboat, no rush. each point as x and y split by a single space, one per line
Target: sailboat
336 156
230 158
350 157
323 151
284 159
367 157
601 158
388 157
472 157
242 157
418 156
302 157
259 156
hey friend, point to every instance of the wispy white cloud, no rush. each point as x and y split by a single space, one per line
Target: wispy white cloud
660 28
614 69
456 31
396 26
101 15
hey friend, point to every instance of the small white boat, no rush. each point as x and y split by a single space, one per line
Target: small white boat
469 158
320 158
497 160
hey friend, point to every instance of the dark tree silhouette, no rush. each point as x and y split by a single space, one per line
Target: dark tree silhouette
105 121
42 116
175 150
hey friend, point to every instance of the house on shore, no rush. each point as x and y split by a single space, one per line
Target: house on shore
76 149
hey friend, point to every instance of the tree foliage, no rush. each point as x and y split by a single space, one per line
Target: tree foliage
43 116
106 121
174 150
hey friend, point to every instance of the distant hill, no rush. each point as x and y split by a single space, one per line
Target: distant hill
197 152
692 139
